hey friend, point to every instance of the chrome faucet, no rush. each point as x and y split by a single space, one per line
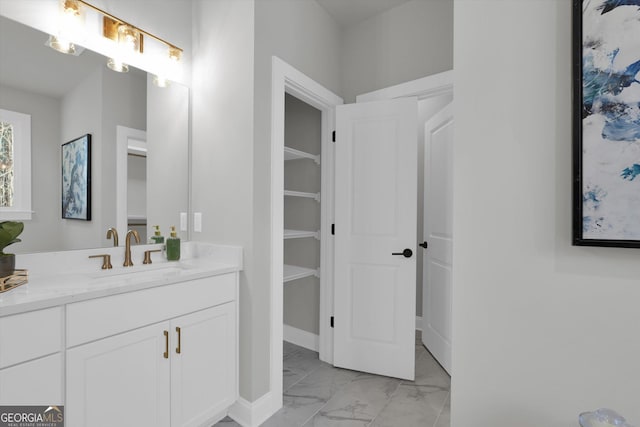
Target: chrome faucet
112 232
127 248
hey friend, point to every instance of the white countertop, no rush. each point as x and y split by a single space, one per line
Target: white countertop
58 278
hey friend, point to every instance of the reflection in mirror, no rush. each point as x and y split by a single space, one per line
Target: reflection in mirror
71 95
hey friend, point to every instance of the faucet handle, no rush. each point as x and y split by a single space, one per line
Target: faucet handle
147 256
106 260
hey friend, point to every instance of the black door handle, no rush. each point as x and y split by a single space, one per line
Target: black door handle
406 253
424 244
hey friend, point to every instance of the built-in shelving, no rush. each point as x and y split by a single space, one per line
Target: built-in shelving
293 154
315 196
293 272
300 234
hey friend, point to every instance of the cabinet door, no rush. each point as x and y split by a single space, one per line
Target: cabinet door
203 367
122 380
38 382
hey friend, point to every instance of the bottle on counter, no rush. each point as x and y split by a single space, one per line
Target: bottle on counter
157 237
173 245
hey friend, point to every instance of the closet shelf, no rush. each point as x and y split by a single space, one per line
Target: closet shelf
300 234
315 196
293 154
293 272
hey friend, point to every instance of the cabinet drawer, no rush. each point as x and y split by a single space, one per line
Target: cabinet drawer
30 335
102 317
38 382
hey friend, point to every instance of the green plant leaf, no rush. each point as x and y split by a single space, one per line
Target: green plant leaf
9 231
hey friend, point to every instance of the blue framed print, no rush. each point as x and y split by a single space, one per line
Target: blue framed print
606 123
76 179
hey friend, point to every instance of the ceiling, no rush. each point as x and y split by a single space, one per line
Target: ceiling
350 12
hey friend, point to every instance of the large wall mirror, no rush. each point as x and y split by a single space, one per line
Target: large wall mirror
139 136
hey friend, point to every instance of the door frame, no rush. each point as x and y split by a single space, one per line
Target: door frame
124 136
422 88
285 78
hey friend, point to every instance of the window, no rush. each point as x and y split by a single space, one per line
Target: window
15 165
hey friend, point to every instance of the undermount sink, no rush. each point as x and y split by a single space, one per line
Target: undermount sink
144 272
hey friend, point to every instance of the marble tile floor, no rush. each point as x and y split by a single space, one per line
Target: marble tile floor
318 395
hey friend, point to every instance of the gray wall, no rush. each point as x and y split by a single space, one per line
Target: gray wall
222 163
42 232
124 103
405 43
534 318
303 132
82 114
97 106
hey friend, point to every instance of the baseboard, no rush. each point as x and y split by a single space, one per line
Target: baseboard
418 323
252 414
302 338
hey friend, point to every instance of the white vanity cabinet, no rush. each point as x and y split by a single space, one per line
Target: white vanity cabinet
31 359
121 380
164 356
203 374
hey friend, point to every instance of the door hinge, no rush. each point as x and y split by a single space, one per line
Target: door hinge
333 229
333 136
332 321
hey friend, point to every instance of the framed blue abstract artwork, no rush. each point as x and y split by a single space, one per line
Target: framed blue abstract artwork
606 123
76 179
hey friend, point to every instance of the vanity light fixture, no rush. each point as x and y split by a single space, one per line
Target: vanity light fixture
129 39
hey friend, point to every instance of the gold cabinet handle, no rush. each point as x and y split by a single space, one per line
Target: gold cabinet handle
166 344
179 335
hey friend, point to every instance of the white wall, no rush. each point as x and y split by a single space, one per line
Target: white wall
542 330
405 43
222 159
167 156
41 233
305 36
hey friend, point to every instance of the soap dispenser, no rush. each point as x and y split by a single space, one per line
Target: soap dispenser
173 245
157 237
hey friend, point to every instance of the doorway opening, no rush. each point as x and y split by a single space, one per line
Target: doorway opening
288 81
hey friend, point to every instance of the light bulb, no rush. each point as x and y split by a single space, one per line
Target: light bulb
117 65
129 38
160 81
61 45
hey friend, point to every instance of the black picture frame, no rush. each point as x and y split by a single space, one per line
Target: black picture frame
76 179
602 93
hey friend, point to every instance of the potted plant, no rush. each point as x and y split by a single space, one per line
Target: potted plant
9 232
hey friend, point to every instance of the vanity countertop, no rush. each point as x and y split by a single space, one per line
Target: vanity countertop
58 278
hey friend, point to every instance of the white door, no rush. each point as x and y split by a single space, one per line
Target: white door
438 233
375 218
203 367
